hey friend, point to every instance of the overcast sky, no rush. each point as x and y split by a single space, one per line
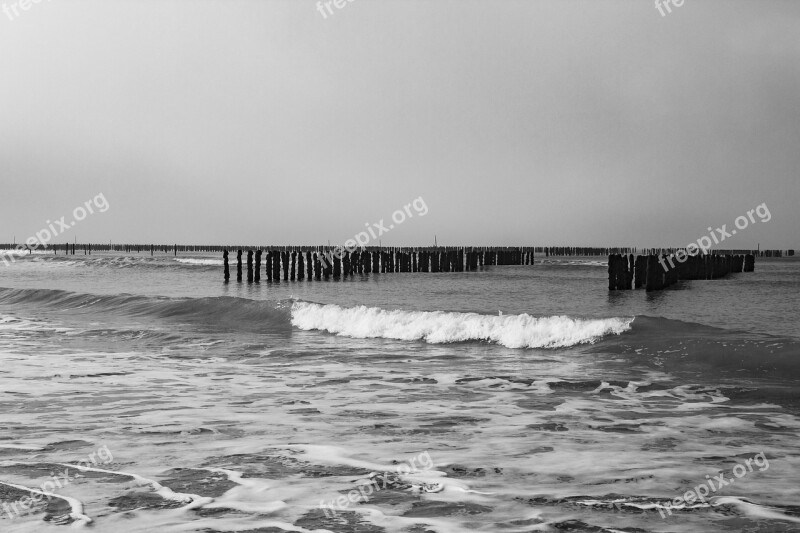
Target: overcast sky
530 122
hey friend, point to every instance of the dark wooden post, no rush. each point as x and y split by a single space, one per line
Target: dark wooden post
249 266
258 267
238 265
227 272
639 270
365 266
376 258
317 267
346 264
651 282
300 266
337 265
612 272
749 263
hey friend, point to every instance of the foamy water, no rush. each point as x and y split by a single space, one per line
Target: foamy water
511 331
234 408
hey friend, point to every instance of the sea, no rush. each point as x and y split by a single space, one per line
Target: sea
142 393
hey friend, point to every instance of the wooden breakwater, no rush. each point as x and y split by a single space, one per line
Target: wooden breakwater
568 251
87 249
175 249
659 271
318 263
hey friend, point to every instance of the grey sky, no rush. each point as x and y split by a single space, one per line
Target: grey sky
528 122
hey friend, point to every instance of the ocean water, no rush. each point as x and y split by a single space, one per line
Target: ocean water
144 394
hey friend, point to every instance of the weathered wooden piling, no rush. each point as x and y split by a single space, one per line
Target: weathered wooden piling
612 272
249 266
366 261
317 267
300 265
653 276
227 271
238 265
257 273
337 266
749 262
640 270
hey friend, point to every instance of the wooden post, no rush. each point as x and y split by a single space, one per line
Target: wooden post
639 271
238 265
257 272
612 272
300 266
651 274
227 267
317 267
337 265
346 264
749 263
249 266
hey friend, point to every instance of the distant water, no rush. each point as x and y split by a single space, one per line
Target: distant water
544 402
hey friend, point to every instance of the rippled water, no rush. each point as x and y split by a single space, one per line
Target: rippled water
528 399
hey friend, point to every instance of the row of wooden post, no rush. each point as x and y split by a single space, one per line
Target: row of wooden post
656 272
307 264
548 251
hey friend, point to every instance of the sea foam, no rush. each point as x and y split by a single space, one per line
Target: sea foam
512 331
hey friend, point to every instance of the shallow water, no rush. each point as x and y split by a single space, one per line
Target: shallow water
243 407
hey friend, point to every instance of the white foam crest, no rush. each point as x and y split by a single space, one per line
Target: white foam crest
203 262
76 506
511 331
192 500
753 510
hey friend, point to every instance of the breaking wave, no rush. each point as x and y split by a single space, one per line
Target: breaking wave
511 331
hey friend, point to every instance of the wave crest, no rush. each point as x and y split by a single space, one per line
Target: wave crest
511 331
